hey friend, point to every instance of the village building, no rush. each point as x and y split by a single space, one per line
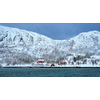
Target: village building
0 65
40 61
52 65
63 62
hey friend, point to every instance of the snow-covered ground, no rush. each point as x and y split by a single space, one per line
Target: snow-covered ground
49 65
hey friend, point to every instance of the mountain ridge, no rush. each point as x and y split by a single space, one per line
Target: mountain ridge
16 42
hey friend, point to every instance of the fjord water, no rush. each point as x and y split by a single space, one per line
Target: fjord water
49 72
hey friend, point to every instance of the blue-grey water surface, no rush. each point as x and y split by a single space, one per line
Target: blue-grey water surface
49 72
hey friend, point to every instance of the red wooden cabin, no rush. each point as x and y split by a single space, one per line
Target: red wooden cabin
0 65
63 63
41 61
52 65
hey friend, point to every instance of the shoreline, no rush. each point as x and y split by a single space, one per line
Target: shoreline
50 67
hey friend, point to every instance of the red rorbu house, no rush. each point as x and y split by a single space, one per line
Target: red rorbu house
0 65
63 63
52 65
41 61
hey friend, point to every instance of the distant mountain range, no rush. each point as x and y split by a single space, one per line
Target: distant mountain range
21 45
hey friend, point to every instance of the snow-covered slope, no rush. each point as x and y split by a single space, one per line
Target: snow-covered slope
86 42
18 37
22 40
14 42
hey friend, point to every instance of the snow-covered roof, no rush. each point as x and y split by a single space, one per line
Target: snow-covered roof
41 60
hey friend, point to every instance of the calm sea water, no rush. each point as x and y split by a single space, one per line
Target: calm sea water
49 72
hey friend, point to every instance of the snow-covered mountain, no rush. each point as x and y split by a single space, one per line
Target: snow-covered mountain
86 42
16 43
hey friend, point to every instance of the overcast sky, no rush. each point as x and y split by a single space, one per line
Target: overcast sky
57 31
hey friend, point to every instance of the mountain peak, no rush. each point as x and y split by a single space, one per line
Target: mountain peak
90 32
